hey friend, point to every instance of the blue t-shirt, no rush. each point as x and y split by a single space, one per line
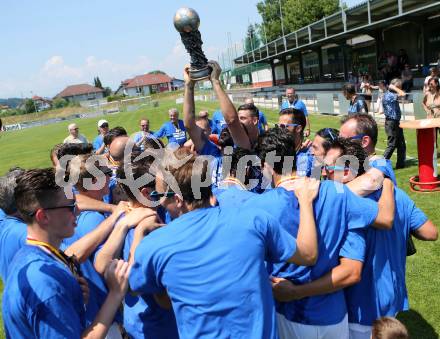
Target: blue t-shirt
357 106
297 104
218 122
42 299
13 232
304 162
386 167
143 317
382 289
216 168
231 196
87 221
173 134
97 142
337 210
2 215
262 121
140 135
211 262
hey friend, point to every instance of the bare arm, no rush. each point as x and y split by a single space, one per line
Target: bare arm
86 203
189 116
347 273
306 242
307 131
399 92
427 232
84 247
386 203
238 133
425 107
367 183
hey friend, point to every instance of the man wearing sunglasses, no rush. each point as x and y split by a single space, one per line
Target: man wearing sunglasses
42 296
75 137
379 274
337 213
174 129
293 102
98 143
143 134
211 260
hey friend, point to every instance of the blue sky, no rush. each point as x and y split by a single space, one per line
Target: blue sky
47 45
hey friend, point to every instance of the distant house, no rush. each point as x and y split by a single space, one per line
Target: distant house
177 84
81 92
145 84
41 103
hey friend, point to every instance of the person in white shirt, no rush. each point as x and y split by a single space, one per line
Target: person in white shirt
74 137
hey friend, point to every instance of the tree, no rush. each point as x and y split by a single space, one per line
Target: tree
59 103
157 72
29 106
97 82
107 91
252 40
296 14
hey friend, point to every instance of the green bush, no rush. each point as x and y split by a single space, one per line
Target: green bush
115 97
59 103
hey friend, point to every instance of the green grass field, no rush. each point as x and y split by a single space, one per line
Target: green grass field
30 148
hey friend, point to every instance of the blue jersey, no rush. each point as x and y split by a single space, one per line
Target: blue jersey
218 122
140 135
262 121
215 166
304 162
357 106
173 134
297 104
231 195
143 317
386 167
97 142
2 215
87 221
13 232
42 299
382 289
211 263
337 210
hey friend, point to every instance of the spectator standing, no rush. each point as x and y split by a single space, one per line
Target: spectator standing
357 105
392 113
293 102
382 88
143 134
434 73
407 78
174 129
75 137
98 143
431 101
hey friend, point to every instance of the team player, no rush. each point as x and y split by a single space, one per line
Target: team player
337 211
174 129
293 102
211 260
42 296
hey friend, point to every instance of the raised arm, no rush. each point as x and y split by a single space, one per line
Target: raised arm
189 117
86 203
399 92
306 242
367 183
238 133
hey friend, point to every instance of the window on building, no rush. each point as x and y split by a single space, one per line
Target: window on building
310 62
332 63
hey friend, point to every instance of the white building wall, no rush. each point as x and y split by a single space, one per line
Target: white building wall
262 75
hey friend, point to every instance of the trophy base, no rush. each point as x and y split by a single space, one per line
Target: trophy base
201 73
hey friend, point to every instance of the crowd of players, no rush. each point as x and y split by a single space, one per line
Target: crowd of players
241 231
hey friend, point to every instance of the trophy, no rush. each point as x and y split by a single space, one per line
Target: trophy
186 22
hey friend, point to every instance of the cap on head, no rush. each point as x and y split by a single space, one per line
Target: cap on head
72 126
102 122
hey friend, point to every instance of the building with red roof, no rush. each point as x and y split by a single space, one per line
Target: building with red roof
145 84
81 92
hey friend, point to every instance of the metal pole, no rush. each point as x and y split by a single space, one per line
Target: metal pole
282 25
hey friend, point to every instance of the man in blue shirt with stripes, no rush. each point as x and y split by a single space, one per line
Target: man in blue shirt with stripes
174 129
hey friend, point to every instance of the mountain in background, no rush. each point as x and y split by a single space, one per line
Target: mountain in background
11 102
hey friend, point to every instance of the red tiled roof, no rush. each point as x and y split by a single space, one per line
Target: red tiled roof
80 89
146 80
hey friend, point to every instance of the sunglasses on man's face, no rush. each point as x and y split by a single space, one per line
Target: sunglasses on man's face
356 137
285 125
72 208
104 126
156 196
333 168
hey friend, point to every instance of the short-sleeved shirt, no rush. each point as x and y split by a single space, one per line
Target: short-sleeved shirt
357 106
304 162
42 299
218 122
81 139
382 289
13 232
173 134
337 210
262 121
97 142
216 168
386 167
140 135
87 221
297 104
211 262
143 317
391 107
